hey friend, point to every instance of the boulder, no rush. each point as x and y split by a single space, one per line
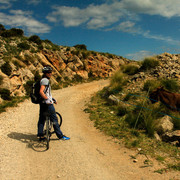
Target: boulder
112 99
83 74
164 125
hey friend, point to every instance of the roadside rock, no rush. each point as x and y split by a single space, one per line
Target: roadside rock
172 136
164 125
112 99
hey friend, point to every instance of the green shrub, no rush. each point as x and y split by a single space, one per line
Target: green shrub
150 85
55 47
47 41
36 39
122 110
94 53
130 69
76 52
118 80
40 47
149 63
6 68
171 84
85 54
28 87
5 94
81 46
12 32
143 119
108 55
24 46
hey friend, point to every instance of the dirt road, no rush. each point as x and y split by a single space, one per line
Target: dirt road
88 155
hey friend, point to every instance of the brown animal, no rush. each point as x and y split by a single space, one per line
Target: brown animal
171 100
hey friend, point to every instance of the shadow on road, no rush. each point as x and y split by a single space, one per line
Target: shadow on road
30 140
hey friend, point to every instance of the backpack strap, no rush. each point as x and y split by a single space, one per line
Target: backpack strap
46 89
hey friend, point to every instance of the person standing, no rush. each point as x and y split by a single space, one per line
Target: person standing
46 105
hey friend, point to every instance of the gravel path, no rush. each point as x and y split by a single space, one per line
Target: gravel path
89 155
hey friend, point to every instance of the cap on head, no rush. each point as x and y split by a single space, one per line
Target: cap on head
47 69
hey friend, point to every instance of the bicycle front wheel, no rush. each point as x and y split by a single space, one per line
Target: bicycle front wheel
47 133
59 118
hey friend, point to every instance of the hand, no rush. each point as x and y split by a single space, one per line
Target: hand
48 101
54 101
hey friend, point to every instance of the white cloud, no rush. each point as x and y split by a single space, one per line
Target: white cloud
5 4
99 16
140 55
35 2
96 16
23 19
147 34
129 27
117 15
165 8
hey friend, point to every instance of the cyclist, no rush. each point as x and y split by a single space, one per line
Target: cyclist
46 105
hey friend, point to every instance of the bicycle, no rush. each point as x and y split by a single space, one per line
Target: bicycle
48 127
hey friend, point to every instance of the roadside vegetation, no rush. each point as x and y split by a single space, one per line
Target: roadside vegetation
133 120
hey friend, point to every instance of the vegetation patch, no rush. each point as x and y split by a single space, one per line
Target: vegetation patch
149 63
6 68
12 103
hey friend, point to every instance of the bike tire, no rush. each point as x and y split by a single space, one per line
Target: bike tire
59 119
47 134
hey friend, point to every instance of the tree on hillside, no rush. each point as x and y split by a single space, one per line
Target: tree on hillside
12 32
36 39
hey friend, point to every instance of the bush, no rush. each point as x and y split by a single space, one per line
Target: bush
85 54
36 39
76 52
28 87
122 110
23 46
48 41
171 84
150 85
118 80
81 46
149 63
144 118
6 68
130 69
5 94
12 32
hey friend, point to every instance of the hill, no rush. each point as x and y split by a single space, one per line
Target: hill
22 59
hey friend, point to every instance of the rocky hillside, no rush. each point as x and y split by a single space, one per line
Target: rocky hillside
22 59
168 68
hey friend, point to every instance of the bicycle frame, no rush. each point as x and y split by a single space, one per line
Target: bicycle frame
48 126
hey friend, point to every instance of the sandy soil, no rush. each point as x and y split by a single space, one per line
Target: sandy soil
88 155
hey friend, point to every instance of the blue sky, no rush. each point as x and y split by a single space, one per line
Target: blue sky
130 28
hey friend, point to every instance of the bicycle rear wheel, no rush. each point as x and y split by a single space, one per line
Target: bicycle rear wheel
59 118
